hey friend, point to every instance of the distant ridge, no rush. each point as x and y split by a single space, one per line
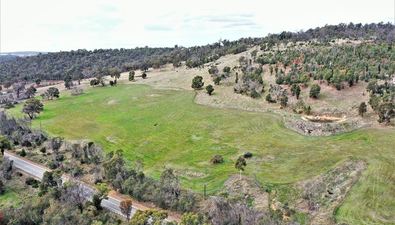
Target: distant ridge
22 53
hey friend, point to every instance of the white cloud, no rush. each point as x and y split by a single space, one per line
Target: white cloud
46 25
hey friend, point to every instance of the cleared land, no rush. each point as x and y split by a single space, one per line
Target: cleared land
167 129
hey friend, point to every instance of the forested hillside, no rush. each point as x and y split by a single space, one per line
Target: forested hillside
83 63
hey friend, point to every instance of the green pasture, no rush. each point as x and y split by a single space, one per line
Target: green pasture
167 129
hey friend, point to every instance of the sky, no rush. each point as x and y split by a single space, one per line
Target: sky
54 25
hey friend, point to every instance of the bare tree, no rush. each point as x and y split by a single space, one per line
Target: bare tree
96 157
310 193
18 89
224 212
75 193
55 145
6 167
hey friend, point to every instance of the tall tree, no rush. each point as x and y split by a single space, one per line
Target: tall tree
217 80
115 73
209 89
131 75
284 100
30 92
386 112
32 107
240 164
68 81
2 191
100 195
295 90
4 144
126 208
18 89
51 93
143 217
75 193
362 109
197 82
314 90
6 167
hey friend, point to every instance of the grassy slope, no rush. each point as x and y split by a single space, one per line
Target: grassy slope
187 135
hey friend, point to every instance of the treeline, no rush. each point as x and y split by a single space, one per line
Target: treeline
83 63
380 32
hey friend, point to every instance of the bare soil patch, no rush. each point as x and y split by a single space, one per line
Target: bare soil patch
112 102
324 119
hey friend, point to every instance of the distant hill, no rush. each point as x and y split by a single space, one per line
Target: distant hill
7 56
21 53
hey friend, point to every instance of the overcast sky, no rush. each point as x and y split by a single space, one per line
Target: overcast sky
55 25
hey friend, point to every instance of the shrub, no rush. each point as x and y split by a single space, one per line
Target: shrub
224 194
209 89
43 150
23 153
77 91
217 80
36 184
30 181
247 155
26 143
269 99
197 82
216 159
76 171
98 181
314 91
254 94
52 165
60 158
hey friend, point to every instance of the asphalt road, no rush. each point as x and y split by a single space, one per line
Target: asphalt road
26 166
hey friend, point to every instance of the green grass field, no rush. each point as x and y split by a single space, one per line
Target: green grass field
186 136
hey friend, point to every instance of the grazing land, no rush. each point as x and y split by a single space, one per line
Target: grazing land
166 128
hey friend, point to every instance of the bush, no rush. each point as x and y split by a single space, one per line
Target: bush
52 165
30 181
77 91
209 89
98 181
60 158
314 91
224 194
247 155
43 150
216 159
76 171
197 82
254 94
36 184
26 143
23 153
